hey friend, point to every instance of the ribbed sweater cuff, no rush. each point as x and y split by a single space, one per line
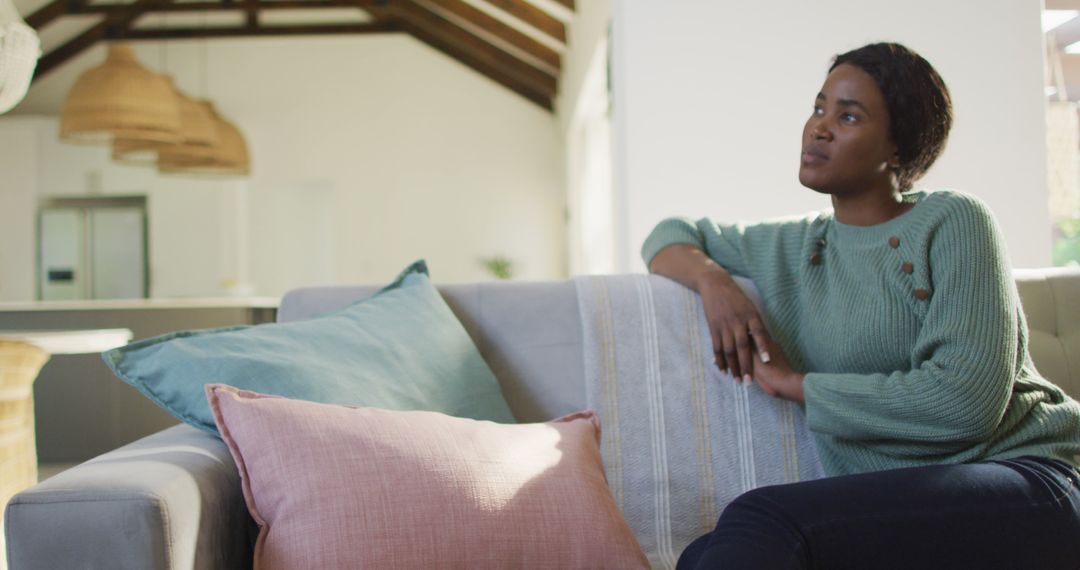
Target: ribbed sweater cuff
818 402
811 397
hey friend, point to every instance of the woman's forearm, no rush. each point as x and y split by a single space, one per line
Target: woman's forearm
686 264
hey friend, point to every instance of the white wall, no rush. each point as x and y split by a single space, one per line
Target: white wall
585 128
185 217
710 99
369 152
587 33
18 162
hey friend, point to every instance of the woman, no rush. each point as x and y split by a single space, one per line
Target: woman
894 321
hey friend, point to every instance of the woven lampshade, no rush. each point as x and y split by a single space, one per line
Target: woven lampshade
120 99
229 158
198 136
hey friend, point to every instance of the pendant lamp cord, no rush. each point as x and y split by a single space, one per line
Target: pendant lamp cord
165 46
203 58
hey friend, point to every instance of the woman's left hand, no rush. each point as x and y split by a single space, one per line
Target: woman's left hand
776 377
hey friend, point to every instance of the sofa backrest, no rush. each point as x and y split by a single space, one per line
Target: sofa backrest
530 332
1051 301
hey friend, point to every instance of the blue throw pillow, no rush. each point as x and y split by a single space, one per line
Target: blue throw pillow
400 349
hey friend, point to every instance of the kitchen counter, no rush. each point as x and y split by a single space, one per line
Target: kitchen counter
82 409
137 304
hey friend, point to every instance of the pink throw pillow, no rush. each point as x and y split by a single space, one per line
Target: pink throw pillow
351 487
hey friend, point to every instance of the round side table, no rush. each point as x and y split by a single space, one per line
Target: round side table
19 365
22 354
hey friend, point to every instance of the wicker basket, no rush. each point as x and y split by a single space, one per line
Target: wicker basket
19 366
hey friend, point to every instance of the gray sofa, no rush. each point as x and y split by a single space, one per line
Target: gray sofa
172 500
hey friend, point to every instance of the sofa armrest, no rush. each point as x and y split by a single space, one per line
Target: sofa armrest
167 501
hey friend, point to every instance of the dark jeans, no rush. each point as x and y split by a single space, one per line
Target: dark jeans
1018 514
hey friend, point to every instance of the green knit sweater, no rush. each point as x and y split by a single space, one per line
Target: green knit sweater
910 333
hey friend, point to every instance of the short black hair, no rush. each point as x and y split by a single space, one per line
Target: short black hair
920 108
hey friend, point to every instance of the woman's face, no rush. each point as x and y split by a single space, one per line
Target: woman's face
846 145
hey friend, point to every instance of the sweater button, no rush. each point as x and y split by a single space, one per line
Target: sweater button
815 259
822 243
894 242
922 294
907 267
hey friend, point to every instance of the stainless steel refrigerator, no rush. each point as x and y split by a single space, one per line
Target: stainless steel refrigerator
92 248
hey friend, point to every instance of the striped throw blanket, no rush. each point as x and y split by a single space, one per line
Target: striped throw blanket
680 439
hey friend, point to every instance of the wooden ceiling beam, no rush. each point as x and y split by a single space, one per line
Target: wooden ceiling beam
500 30
224 6
459 44
47 13
412 12
251 14
544 100
378 27
568 3
459 8
79 44
532 16
420 20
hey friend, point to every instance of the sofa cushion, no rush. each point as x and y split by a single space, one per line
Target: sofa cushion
401 349
353 487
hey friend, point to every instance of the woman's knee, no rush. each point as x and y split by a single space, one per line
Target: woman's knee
757 519
762 504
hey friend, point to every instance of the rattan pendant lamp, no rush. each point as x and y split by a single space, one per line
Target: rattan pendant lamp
228 158
198 136
19 52
120 99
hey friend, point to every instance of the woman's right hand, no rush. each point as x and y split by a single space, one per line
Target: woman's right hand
734 322
736 327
